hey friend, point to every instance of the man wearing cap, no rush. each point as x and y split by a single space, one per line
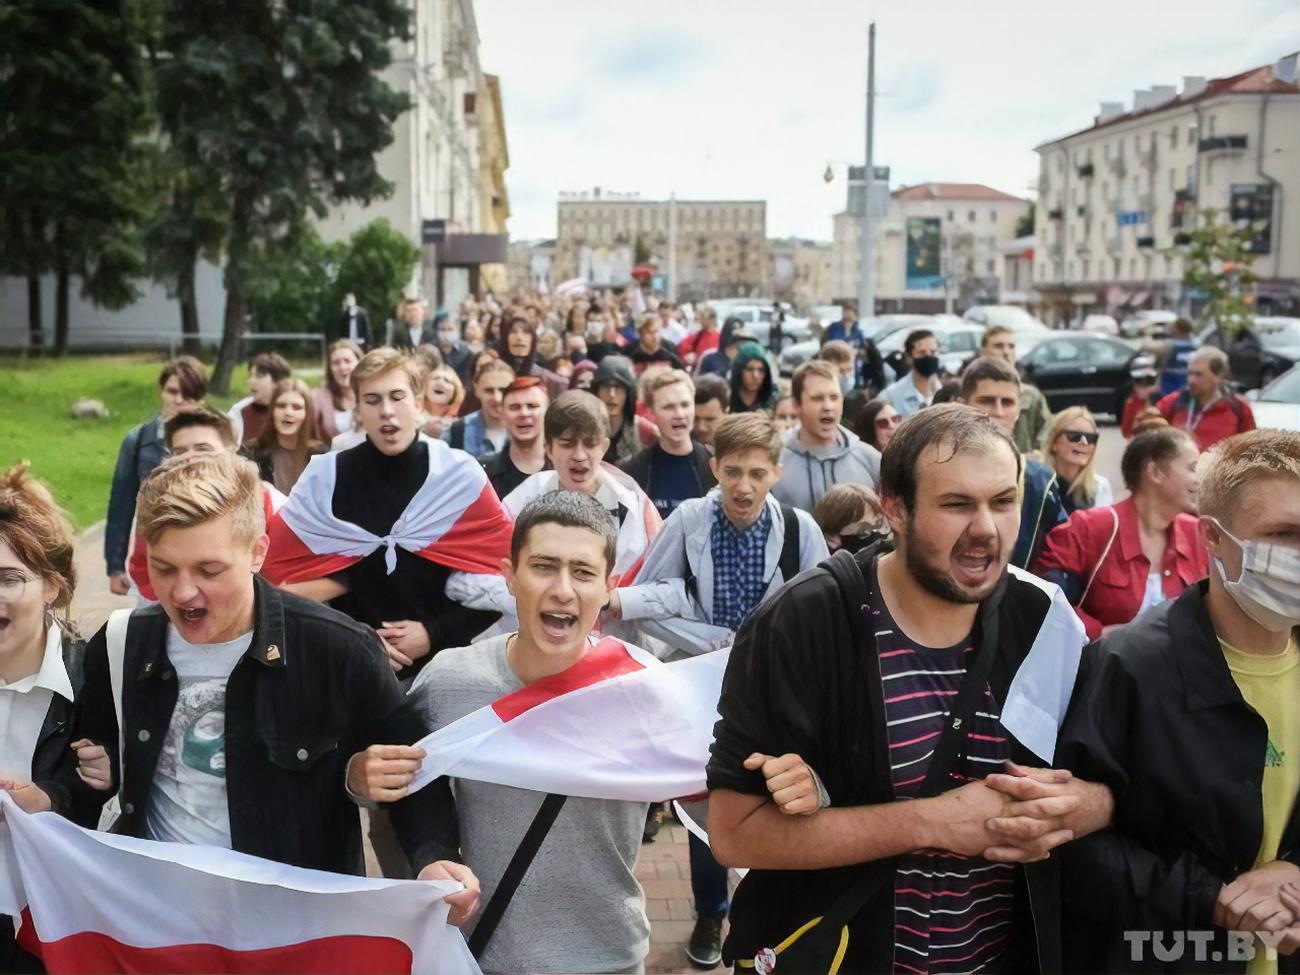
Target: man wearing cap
524 407
1146 381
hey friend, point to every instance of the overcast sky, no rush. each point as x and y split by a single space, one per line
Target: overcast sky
751 99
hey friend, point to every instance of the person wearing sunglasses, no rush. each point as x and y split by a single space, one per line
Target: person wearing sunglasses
1115 561
1071 448
876 424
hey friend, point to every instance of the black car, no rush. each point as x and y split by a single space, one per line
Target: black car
1258 354
1078 369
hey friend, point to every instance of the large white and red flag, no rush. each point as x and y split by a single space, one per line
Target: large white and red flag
455 519
618 724
94 902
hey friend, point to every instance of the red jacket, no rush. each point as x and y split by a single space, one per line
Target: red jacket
1226 416
697 345
1134 405
1076 547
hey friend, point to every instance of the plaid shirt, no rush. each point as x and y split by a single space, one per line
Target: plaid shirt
739 560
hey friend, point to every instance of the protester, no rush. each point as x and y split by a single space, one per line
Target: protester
917 387
284 446
1115 562
332 401
455 353
675 468
1208 409
1189 714
410 328
914 813
752 384
877 423
712 399
776 331
629 433
670 323
300 688
785 416
847 329
524 408
483 432
250 414
1175 355
1147 420
731 338
474 340
650 346
840 355
694 347
518 349
602 335
993 388
181 383
820 452
1140 400
584 374
999 342
850 518
443 397
1070 450
40 655
354 323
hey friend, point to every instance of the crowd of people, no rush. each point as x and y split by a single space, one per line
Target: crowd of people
328 571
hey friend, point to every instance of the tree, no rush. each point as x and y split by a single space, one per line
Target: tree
1218 267
291 282
281 103
376 266
1025 225
73 109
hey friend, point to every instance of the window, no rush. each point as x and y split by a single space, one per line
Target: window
1105 353
970 216
1060 352
1137 143
1173 137
1087 268
991 267
993 216
950 216
1173 179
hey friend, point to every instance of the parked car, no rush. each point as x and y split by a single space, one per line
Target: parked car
1100 325
1080 369
1257 355
1013 317
757 319
1277 405
876 328
1152 324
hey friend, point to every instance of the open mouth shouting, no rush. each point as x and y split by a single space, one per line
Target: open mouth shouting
974 566
191 617
559 626
580 473
5 623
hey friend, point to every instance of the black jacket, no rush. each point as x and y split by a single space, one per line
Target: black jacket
1157 716
313 688
640 467
797 681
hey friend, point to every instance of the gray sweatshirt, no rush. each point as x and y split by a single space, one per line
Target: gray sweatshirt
809 472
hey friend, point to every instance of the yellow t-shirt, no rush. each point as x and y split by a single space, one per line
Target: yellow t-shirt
1271 685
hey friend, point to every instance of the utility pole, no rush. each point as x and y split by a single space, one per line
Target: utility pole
672 247
866 275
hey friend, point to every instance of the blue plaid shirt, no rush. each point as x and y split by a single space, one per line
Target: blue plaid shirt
739 558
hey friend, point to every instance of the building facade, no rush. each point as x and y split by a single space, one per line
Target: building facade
800 272
1117 199
701 248
936 247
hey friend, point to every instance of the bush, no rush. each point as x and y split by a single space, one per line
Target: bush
377 265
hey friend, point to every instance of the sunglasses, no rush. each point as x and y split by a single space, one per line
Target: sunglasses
1078 436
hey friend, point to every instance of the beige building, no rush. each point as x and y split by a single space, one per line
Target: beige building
937 246
800 272
721 245
1116 199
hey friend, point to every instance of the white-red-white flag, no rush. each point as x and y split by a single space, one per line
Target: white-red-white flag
455 519
94 902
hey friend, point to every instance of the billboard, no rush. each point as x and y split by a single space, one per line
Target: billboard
923 243
1252 206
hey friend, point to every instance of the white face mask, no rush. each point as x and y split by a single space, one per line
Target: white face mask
1268 590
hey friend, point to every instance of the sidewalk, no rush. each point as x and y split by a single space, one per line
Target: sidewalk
663 867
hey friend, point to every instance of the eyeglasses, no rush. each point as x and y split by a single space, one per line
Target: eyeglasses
1078 436
12 582
885 422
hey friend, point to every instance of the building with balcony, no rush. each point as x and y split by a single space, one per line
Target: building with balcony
1116 200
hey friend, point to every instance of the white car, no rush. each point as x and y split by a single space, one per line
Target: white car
1100 325
1147 324
757 320
1012 316
1277 405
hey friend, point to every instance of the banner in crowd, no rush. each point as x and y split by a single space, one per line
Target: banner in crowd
94 902
923 259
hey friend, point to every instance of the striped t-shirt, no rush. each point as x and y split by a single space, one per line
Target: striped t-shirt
951 913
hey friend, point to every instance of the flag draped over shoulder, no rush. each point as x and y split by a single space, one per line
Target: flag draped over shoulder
455 519
94 902
618 724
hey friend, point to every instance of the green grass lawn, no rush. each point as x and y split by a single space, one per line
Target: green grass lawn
76 457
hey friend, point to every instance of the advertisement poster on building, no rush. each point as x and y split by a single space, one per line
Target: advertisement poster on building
1252 207
923 242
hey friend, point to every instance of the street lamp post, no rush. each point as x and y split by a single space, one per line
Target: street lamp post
866 282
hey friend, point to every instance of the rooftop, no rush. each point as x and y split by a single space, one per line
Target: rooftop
953 191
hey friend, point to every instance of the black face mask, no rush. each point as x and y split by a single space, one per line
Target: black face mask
853 544
926 365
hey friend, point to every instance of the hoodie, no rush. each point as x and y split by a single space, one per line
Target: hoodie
767 394
631 436
809 472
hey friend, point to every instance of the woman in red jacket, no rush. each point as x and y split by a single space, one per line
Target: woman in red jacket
1114 562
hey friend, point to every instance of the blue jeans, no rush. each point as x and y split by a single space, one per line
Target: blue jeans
708 880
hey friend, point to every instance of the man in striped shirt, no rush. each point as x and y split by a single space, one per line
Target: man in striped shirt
853 671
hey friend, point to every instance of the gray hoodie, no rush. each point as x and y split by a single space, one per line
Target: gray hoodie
809 472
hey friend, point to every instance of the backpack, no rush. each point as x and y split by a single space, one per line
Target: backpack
788 562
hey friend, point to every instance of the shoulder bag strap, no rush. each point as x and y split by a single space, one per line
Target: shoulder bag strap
789 560
1114 530
115 644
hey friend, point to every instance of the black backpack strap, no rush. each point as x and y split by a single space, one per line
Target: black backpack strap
788 563
457 436
514 873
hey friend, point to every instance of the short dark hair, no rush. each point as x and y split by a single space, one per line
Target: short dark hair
191 375
947 393
270 364
913 337
953 425
570 509
985 369
709 387
575 413
200 416
1160 445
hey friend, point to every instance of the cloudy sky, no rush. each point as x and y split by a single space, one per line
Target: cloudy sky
751 99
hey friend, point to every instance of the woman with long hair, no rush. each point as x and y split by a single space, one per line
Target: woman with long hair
1070 449
518 349
284 446
332 401
876 424
443 395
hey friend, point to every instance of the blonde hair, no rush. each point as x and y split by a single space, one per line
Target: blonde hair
1084 487
458 397
662 380
377 362
740 432
34 526
1232 465
196 488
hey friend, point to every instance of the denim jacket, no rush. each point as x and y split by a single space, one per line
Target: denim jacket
142 450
